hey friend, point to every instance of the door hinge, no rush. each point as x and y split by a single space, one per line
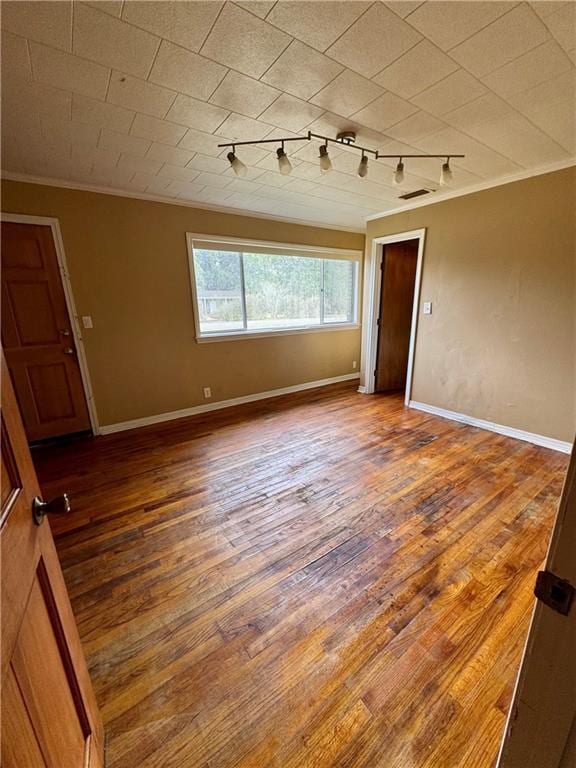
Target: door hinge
554 592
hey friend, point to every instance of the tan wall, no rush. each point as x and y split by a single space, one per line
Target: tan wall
128 267
499 269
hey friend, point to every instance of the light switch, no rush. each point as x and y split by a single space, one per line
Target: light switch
427 308
87 321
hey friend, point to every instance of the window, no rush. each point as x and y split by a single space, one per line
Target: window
260 288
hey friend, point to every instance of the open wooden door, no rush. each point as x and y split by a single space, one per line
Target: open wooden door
49 714
540 732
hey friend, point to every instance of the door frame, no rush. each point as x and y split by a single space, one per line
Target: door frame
371 309
54 224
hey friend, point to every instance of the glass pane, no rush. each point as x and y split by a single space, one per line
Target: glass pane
281 291
219 291
339 291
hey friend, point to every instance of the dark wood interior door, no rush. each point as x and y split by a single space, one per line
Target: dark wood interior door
399 263
37 335
49 714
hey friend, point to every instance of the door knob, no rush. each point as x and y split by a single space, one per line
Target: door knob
64 332
68 351
58 506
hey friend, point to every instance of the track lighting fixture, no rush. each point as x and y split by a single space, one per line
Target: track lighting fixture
446 173
284 165
325 162
363 167
237 165
399 173
346 139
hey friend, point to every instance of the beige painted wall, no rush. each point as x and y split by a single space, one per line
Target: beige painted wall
128 267
499 269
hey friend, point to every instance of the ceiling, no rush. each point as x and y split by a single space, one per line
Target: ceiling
135 96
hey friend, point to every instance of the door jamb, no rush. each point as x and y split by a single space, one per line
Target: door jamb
372 288
54 224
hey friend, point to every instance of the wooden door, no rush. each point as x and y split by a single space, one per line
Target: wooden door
541 728
37 335
49 714
399 262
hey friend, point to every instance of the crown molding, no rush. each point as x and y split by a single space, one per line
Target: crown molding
480 187
64 184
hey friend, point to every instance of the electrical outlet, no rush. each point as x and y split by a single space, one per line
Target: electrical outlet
354 363
207 393
427 307
87 321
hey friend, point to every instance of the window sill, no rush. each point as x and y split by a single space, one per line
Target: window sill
206 339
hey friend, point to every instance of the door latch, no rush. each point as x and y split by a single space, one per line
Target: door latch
554 592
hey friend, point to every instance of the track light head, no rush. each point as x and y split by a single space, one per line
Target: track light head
363 167
237 165
399 173
325 162
446 174
284 165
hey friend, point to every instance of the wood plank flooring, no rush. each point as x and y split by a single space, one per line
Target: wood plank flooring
322 580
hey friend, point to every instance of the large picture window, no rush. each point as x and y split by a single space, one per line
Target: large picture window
248 288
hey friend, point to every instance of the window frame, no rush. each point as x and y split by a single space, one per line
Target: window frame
263 246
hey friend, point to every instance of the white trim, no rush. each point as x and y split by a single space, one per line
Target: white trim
321 252
372 286
501 429
121 426
50 182
54 224
449 194
362 390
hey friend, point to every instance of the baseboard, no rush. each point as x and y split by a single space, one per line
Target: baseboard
121 426
363 390
519 434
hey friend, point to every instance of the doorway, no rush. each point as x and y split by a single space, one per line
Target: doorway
41 342
398 267
390 317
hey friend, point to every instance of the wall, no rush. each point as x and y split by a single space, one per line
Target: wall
128 266
499 268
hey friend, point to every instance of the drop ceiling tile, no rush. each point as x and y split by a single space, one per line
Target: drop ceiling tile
562 24
178 173
120 142
374 41
479 159
452 92
505 39
260 8
558 89
302 71
487 107
347 94
388 109
240 40
141 164
185 189
147 182
201 142
109 41
535 67
251 155
448 23
244 95
317 24
95 155
115 177
171 155
196 114
213 180
15 58
416 70
94 112
415 126
273 179
558 121
244 128
47 22
139 95
209 164
545 8
63 70
404 7
152 128
184 23
185 71
212 195
291 113
57 129
113 7
243 186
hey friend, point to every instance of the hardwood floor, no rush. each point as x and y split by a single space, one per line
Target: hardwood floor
323 580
